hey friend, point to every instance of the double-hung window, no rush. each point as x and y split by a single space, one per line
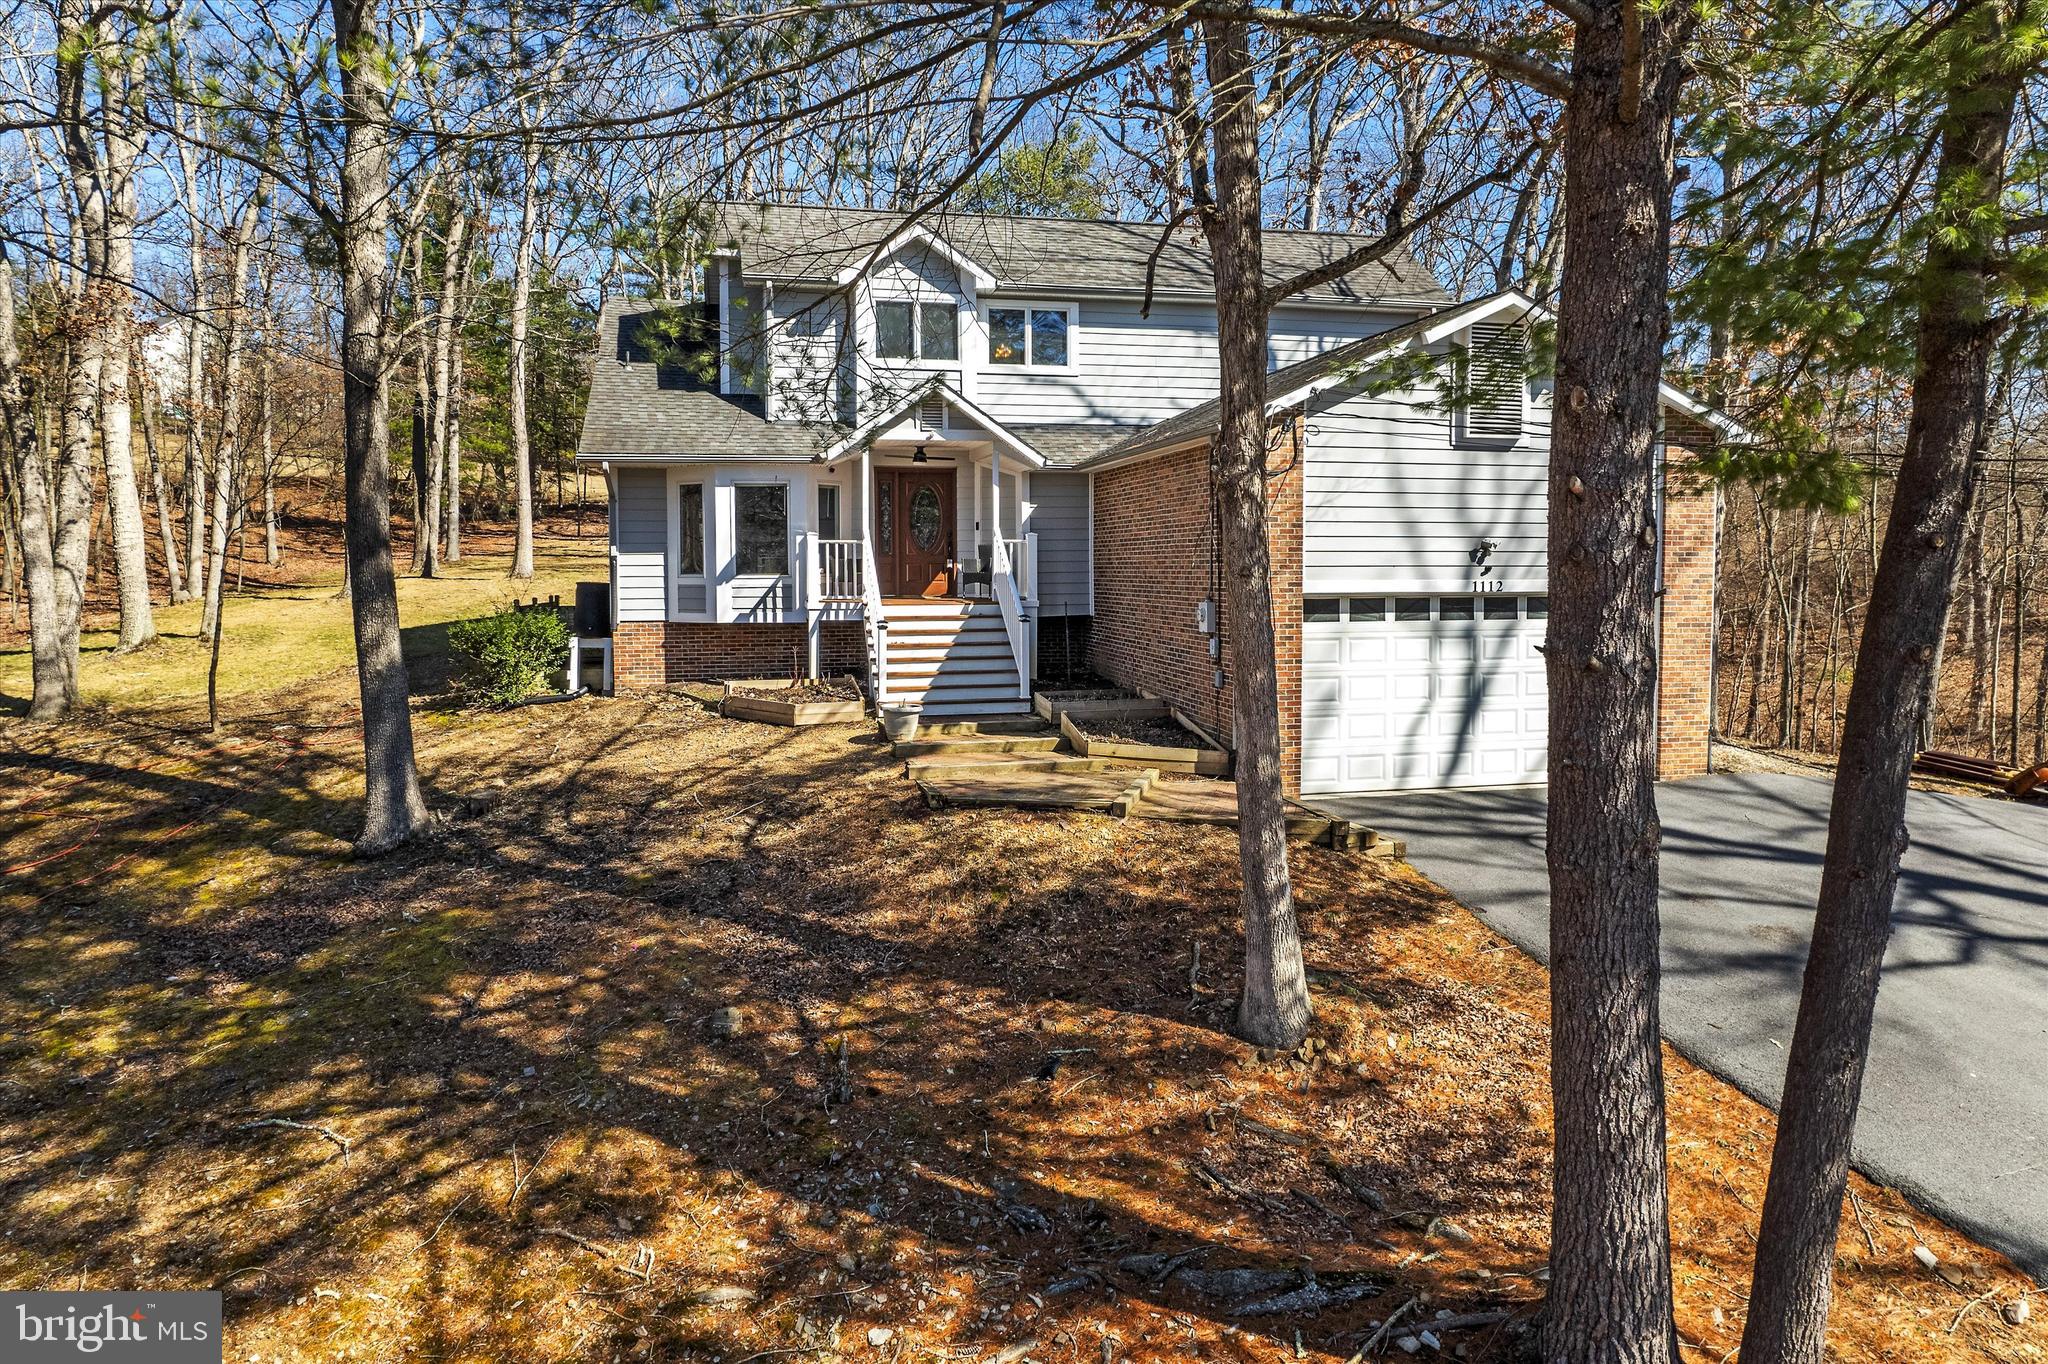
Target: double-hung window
1036 335
928 332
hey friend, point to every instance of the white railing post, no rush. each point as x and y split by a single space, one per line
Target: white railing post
877 628
807 558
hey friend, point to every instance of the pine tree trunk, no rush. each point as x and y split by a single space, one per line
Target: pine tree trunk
271 556
228 492
522 296
1274 1011
439 389
1792 1282
393 809
1610 1258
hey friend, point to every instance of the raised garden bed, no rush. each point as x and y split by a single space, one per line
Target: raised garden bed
1147 740
1089 703
773 701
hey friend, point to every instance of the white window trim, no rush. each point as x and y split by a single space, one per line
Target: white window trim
1073 312
793 523
672 561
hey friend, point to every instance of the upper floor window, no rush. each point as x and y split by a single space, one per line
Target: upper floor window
1039 335
917 331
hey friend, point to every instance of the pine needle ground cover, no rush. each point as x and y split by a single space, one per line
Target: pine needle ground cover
692 1039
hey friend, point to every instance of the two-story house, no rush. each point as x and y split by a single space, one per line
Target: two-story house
951 456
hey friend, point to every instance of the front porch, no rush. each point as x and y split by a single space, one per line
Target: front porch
942 570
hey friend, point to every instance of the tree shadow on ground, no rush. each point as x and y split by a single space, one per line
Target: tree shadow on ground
970 1071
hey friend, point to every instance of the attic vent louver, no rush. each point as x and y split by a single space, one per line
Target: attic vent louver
1494 383
931 414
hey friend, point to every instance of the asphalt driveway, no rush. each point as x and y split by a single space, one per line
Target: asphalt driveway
1955 1105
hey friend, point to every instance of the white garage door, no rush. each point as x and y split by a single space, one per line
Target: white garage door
1401 693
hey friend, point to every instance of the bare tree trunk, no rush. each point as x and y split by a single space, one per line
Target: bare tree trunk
1275 1009
54 677
1610 1255
1793 1278
120 70
195 373
271 556
393 808
455 448
228 491
440 357
166 526
522 295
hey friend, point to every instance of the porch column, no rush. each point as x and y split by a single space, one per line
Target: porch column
866 503
995 514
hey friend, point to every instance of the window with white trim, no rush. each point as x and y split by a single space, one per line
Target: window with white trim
1493 384
1036 335
690 530
929 332
761 529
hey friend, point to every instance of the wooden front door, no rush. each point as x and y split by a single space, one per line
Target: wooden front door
914 513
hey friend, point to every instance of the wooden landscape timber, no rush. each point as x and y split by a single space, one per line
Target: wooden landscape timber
770 711
1206 762
1963 767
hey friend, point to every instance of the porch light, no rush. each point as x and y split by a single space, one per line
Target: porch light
918 456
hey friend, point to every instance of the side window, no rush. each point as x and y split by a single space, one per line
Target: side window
761 511
828 511
691 559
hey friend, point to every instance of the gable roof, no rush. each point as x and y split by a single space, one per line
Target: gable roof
789 243
936 386
1292 385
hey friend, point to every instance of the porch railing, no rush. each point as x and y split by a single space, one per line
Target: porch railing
1005 584
874 625
841 576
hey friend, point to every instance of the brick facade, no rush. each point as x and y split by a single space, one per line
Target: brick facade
1685 645
1157 559
654 653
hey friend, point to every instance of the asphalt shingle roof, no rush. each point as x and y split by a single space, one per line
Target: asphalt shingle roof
630 414
788 242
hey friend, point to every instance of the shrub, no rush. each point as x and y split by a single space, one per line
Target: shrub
510 656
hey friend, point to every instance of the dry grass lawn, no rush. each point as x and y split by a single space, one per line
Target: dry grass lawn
967 1080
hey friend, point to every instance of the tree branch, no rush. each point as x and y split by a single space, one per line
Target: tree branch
1390 241
1530 70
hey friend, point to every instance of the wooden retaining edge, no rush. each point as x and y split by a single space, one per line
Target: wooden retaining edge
767 710
1202 762
1122 805
1138 707
994 743
937 765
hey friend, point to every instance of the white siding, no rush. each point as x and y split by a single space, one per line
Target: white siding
1145 369
1060 517
640 543
1392 502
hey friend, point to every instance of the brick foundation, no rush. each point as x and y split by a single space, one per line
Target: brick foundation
1685 645
1157 558
655 653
